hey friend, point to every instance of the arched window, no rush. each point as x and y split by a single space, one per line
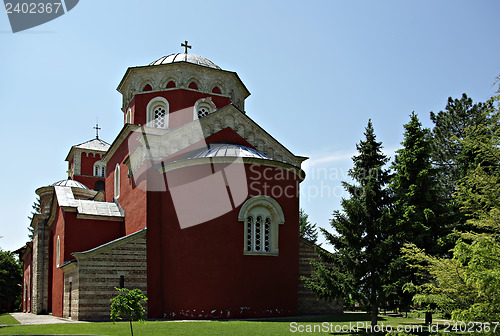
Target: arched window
193 86
157 113
100 169
117 181
58 252
216 90
128 117
261 216
203 107
171 85
147 87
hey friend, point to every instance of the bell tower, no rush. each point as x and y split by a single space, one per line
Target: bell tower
85 165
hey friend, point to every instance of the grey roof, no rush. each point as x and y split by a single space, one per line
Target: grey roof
88 207
65 198
69 183
226 149
94 144
190 58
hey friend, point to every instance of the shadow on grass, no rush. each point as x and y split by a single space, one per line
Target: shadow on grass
340 318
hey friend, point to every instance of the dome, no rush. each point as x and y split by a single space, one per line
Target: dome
190 58
69 183
231 150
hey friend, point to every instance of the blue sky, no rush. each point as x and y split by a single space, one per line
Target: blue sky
317 71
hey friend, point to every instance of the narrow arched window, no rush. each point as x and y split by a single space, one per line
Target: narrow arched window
117 181
128 117
58 252
157 113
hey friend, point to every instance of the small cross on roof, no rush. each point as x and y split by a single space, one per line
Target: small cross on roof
186 46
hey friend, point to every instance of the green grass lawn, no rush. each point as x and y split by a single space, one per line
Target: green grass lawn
326 326
7 319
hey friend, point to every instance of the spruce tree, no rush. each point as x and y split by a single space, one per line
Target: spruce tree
362 239
417 211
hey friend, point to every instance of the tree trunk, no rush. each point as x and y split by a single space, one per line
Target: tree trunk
374 314
131 330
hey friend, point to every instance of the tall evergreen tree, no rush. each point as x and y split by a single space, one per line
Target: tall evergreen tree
417 211
449 155
362 239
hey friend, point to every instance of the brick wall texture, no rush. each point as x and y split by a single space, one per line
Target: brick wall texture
308 303
93 280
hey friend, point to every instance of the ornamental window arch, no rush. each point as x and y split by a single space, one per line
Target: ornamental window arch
261 216
157 113
203 107
99 169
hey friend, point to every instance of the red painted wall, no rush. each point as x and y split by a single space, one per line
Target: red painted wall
181 103
27 281
201 271
87 163
88 181
56 276
133 195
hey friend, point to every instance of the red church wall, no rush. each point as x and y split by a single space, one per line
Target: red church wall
181 103
87 163
88 181
132 197
228 135
201 271
56 276
27 278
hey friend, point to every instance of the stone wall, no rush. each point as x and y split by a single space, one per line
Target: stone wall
308 303
97 273
40 264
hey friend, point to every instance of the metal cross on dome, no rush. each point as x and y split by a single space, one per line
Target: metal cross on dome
97 128
186 46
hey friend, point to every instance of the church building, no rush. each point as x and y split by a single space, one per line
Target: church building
193 203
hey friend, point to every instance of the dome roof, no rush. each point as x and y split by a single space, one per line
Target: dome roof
69 183
231 150
190 58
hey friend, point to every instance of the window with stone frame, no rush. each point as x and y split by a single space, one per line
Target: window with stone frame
100 169
261 216
203 107
157 113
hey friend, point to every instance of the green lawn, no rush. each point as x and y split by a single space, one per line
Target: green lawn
327 326
7 319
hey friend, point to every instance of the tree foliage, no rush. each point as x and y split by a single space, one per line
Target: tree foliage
128 303
11 279
467 285
361 238
307 229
